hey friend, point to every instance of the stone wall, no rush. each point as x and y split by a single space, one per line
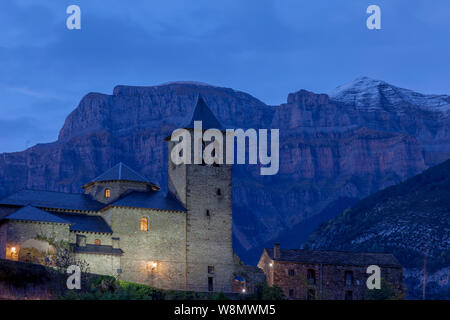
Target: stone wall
20 231
209 227
155 257
101 263
105 238
117 189
329 281
3 236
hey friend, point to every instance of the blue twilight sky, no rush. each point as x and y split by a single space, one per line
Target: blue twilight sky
267 48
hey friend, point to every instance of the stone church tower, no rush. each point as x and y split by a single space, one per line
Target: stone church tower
206 193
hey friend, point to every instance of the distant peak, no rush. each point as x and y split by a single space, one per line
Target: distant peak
360 84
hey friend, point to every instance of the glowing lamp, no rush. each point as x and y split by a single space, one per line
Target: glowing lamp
13 250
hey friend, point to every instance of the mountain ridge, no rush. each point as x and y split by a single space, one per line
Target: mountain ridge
329 152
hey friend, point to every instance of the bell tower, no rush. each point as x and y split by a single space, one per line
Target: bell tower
206 192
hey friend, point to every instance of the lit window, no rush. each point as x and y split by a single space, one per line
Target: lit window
107 193
144 224
97 242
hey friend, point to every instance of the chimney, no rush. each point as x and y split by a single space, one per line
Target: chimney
276 251
81 240
115 243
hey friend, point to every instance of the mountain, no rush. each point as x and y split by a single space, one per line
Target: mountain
334 149
411 220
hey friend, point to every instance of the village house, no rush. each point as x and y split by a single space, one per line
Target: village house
328 275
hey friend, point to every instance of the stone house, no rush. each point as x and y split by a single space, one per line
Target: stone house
123 225
328 275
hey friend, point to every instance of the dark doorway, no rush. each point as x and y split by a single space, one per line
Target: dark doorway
210 284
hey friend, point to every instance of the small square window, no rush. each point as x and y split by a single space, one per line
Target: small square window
211 269
291 272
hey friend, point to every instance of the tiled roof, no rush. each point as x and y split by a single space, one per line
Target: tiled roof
51 199
121 172
336 257
97 249
30 213
150 200
85 222
204 114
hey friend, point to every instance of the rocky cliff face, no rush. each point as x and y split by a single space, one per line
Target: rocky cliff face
333 149
411 220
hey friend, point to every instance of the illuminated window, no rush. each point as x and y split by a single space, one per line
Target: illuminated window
107 193
144 224
97 242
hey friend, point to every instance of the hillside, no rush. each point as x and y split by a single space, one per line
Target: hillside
411 220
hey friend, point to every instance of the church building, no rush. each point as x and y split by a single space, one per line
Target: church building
124 225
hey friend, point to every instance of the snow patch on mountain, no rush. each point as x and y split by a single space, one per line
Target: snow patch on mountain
370 94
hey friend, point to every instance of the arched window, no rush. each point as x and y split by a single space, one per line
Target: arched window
97 242
107 193
144 224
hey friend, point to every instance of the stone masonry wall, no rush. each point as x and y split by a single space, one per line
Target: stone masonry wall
3 235
20 231
209 237
105 238
101 263
329 282
117 188
163 244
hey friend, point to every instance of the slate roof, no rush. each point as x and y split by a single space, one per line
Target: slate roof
29 213
85 222
150 200
51 199
121 172
203 113
97 249
336 257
